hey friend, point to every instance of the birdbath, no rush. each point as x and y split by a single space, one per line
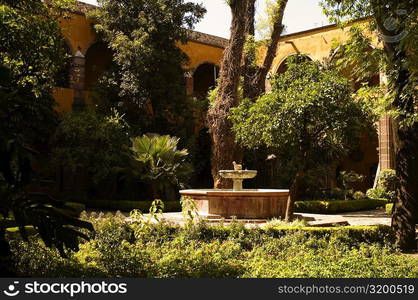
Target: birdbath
237 175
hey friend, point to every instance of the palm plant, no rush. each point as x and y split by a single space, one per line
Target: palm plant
160 164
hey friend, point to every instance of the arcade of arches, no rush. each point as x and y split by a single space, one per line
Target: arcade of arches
205 53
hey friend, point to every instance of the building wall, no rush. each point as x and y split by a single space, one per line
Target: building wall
199 53
90 58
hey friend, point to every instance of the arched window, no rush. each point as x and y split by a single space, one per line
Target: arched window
284 64
337 59
204 79
98 58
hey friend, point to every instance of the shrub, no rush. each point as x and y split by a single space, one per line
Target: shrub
388 180
337 206
33 259
160 164
324 259
386 186
199 250
348 179
336 193
126 206
88 141
359 196
378 193
389 208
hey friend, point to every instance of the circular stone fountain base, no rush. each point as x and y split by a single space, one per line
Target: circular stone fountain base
245 204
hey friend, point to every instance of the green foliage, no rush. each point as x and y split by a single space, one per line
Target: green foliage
127 206
163 251
89 141
147 74
159 163
189 209
389 208
31 52
359 196
31 45
350 59
396 24
276 223
266 21
387 182
380 193
309 114
337 206
55 222
347 180
33 258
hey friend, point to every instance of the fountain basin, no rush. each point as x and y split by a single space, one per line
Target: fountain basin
244 204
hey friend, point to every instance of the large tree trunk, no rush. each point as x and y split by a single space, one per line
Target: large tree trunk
224 148
259 76
293 194
249 68
405 214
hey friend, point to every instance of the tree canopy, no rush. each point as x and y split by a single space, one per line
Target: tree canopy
144 38
310 113
31 53
396 25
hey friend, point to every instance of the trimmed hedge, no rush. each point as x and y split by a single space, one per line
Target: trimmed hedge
366 234
126 206
381 234
337 206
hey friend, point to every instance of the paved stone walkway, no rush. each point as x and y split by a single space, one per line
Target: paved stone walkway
374 217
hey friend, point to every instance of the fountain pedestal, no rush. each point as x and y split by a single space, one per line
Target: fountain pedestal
237 177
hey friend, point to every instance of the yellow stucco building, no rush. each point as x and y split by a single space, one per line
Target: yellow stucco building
205 53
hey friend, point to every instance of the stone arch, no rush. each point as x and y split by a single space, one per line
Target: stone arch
89 45
204 78
98 58
363 159
282 66
372 81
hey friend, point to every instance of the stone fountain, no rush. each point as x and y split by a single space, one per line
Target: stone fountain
238 202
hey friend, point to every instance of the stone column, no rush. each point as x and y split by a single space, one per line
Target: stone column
78 75
386 145
188 75
386 138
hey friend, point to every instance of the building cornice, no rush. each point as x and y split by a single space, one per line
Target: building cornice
194 36
207 39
